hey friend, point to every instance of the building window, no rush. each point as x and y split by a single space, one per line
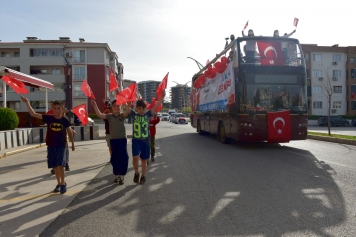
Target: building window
15 105
317 73
79 56
317 104
336 57
317 89
79 73
58 87
76 89
308 73
337 105
337 89
46 52
353 89
77 102
306 57
337 73
5 54
352 60
17 54
33 89
353 73
56 71
353 105
317 57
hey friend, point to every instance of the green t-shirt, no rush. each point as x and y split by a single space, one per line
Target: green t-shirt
140 125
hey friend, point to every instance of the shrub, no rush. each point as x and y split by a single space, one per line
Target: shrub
8 119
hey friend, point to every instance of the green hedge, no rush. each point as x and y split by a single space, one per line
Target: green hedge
94 116
8 119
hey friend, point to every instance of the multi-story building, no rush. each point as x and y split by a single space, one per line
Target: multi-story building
65 64
331 69
180 96
126 83
147 89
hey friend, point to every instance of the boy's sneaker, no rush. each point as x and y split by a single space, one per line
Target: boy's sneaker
152 158
143 179
121 180
56 190
63 188
52 171
136 177
67 167
116 180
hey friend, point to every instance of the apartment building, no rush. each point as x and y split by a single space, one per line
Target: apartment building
147 89
65 64
180 96
331 67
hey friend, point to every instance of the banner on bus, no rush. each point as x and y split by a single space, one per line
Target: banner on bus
218 92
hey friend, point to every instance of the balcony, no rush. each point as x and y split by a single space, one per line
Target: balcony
80 76
78 60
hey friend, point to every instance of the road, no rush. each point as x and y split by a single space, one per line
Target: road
200 187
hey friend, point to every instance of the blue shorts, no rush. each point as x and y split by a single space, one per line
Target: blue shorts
56 156
141 148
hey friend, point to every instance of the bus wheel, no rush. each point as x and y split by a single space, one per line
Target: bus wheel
222 134
200 132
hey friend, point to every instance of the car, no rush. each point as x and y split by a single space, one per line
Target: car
165 117
180 119
171 117
334 121
353 122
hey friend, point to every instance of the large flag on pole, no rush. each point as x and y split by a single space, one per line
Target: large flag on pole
295 22
87 90
16 85
81 112
246 25
127 95
113 82
162 86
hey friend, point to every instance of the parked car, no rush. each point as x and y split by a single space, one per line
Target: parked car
180 119
353 122
334 121
171 117
165 117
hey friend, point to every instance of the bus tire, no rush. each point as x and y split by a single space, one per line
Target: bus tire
222 134
200 132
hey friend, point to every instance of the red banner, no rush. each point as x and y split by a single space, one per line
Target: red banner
127 95
246 25
113 81
295 22
271 53
162 86
279 129
87 90
16 85
81 112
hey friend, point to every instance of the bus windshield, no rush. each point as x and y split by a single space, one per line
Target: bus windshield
262 51
273 92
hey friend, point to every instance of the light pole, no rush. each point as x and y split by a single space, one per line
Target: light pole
182 87
198 63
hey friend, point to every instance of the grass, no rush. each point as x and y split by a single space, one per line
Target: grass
332 135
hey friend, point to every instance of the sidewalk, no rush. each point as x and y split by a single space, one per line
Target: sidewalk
27 203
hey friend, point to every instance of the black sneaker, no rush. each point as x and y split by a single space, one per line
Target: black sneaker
136 177
152 158
63 188
57 189
67 167
148 161
116 180
143 179
52 171
121 180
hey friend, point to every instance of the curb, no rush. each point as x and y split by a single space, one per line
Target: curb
332 139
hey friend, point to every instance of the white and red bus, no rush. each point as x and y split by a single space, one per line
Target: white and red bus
258 93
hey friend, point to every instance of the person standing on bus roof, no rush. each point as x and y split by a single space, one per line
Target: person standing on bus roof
276 34
250 47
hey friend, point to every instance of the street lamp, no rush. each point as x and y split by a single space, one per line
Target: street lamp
198 63
184 91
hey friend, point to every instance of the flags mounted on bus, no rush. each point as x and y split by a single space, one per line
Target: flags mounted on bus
279 129
271 53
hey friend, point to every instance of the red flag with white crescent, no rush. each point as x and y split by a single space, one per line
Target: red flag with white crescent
16 85
162 86
127 95
271 53
279 129
295 22
87 90
113 81
82 113
246 25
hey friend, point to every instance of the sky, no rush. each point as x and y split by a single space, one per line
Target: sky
153 37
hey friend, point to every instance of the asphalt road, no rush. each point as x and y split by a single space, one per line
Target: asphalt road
200 187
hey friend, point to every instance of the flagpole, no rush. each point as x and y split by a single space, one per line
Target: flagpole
4 93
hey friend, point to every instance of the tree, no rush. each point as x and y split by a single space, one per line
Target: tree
327 90
186 110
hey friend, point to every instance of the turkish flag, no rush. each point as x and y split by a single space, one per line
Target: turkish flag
295 22
81 112
162 86
127 95
86 89
246 25
271 53
279 126
113 81
16 85
153 103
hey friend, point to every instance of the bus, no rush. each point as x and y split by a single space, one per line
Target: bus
257 93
